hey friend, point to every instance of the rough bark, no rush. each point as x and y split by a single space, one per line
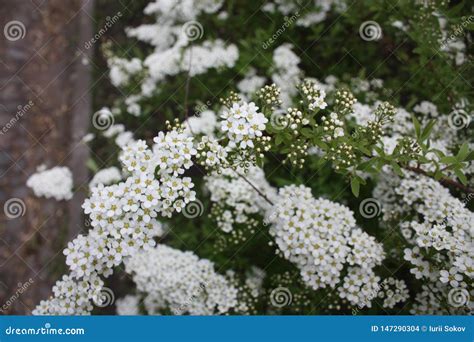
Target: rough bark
46 68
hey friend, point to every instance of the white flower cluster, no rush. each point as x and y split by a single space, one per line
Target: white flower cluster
196 60
122 220
439 236
243 123
384 191
427 108
443 137
445 225
173 152
211 154
182 9
122 137
248 291
320 237
53 183
173 53
451 44
393 291
315 16
71 296
427 302
122 69
287 73
236 199
362 113
209 55
360 287
122 216
333 126
316 102
180 283
106 176
205 123
251 83
128 305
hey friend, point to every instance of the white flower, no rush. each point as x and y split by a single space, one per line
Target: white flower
53 183
243 123
106 176
128 305
180 282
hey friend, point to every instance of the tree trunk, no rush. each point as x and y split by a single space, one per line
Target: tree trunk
44 113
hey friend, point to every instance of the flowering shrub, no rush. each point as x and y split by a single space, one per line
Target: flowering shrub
267 200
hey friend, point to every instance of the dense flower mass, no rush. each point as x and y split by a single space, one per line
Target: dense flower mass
71 297
106 176
128 305
320 237
179 282
235 201
175 49
53 183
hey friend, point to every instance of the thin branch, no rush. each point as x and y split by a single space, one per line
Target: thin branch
444 181
254 187
186 94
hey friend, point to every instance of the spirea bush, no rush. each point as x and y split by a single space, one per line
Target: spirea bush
302 157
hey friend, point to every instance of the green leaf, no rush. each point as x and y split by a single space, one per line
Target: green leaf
461 176
321 144
417 126
91 165
367 165
365 150
470 157
397 169
355 186
439 153
321 162
380 151
427 130
278 139
448 160
307 132
463 152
